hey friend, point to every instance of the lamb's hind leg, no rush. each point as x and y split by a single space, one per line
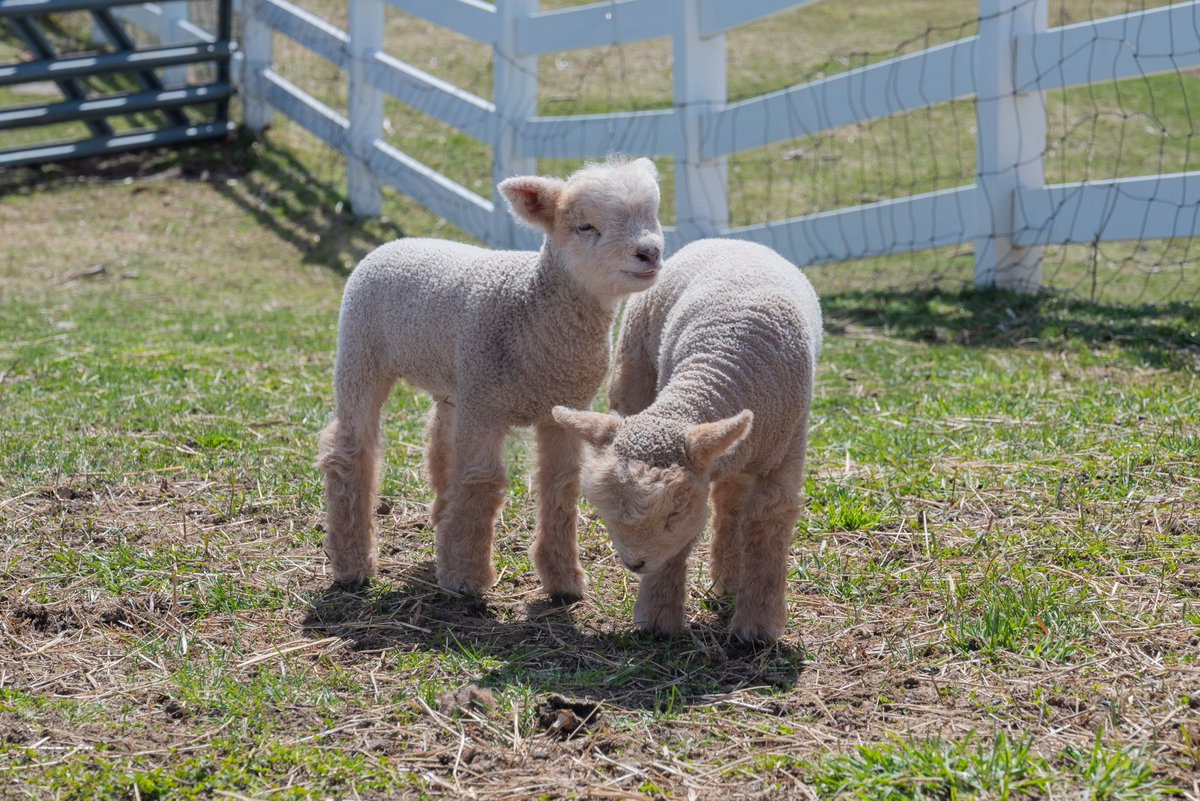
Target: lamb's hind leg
760 608
473 496
725 553
555 549
348 454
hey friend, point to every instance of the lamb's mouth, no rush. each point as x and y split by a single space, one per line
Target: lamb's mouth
642 274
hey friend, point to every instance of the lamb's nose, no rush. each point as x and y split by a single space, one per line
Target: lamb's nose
636 567
650 255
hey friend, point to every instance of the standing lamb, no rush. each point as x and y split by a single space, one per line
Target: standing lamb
715 365
497 338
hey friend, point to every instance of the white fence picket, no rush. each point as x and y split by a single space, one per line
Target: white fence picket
302 108
1143 43
718 16
432 190
307 30
1158 207
647 133
889 87
472 18
596 25
918 222
439 99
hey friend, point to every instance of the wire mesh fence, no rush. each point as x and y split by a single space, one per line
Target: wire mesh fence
1123 127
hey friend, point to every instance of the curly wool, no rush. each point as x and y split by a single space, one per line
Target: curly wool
656 441
730 325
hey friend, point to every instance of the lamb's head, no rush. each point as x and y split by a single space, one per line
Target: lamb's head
648 477
602 221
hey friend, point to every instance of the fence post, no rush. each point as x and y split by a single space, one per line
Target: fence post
1010 144
366 107
514 81
701 185
256 57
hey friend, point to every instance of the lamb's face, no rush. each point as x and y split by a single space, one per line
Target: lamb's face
603 221
607 228
648 477
651 513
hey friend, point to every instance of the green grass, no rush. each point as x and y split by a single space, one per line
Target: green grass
1002 769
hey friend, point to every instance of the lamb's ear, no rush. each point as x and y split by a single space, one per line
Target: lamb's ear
533 200
648 166
708 442
593 427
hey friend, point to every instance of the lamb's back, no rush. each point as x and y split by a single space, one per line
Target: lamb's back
414 300
740 329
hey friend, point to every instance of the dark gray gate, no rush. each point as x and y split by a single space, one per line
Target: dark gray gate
117 94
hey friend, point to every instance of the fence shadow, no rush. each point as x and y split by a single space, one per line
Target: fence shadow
542 647
1160 335
283 196
266 181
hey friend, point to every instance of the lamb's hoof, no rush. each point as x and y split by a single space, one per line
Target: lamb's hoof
660 623
564 598
352 583
755 632
571 587
723 587
473 585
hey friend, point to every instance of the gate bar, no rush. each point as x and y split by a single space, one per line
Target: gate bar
76 110
70 67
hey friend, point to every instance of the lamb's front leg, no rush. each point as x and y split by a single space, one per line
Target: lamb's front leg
440 436
474 495
725 552
760 605
659 605
555 550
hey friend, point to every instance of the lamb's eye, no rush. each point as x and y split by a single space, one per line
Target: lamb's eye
583 228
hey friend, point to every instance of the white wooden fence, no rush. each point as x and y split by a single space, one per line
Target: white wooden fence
1008 213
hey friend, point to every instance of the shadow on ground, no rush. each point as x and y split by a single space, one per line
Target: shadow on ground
1159 335
541 646
268 182
282 195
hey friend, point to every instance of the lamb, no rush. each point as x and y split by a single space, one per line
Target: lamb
497 338
714 374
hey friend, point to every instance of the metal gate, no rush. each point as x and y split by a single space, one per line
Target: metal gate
116 90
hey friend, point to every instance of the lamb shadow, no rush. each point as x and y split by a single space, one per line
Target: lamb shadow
1160 335
545 647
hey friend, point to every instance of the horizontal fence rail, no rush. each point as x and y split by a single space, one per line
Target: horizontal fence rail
133 108
1006 67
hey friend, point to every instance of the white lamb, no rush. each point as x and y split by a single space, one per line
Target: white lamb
715 365
497 338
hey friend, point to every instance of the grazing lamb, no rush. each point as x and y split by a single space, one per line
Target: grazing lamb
497 338
715 367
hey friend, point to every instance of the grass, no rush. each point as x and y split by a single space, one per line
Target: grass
993 583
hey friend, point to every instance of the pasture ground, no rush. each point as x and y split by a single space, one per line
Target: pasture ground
994 582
